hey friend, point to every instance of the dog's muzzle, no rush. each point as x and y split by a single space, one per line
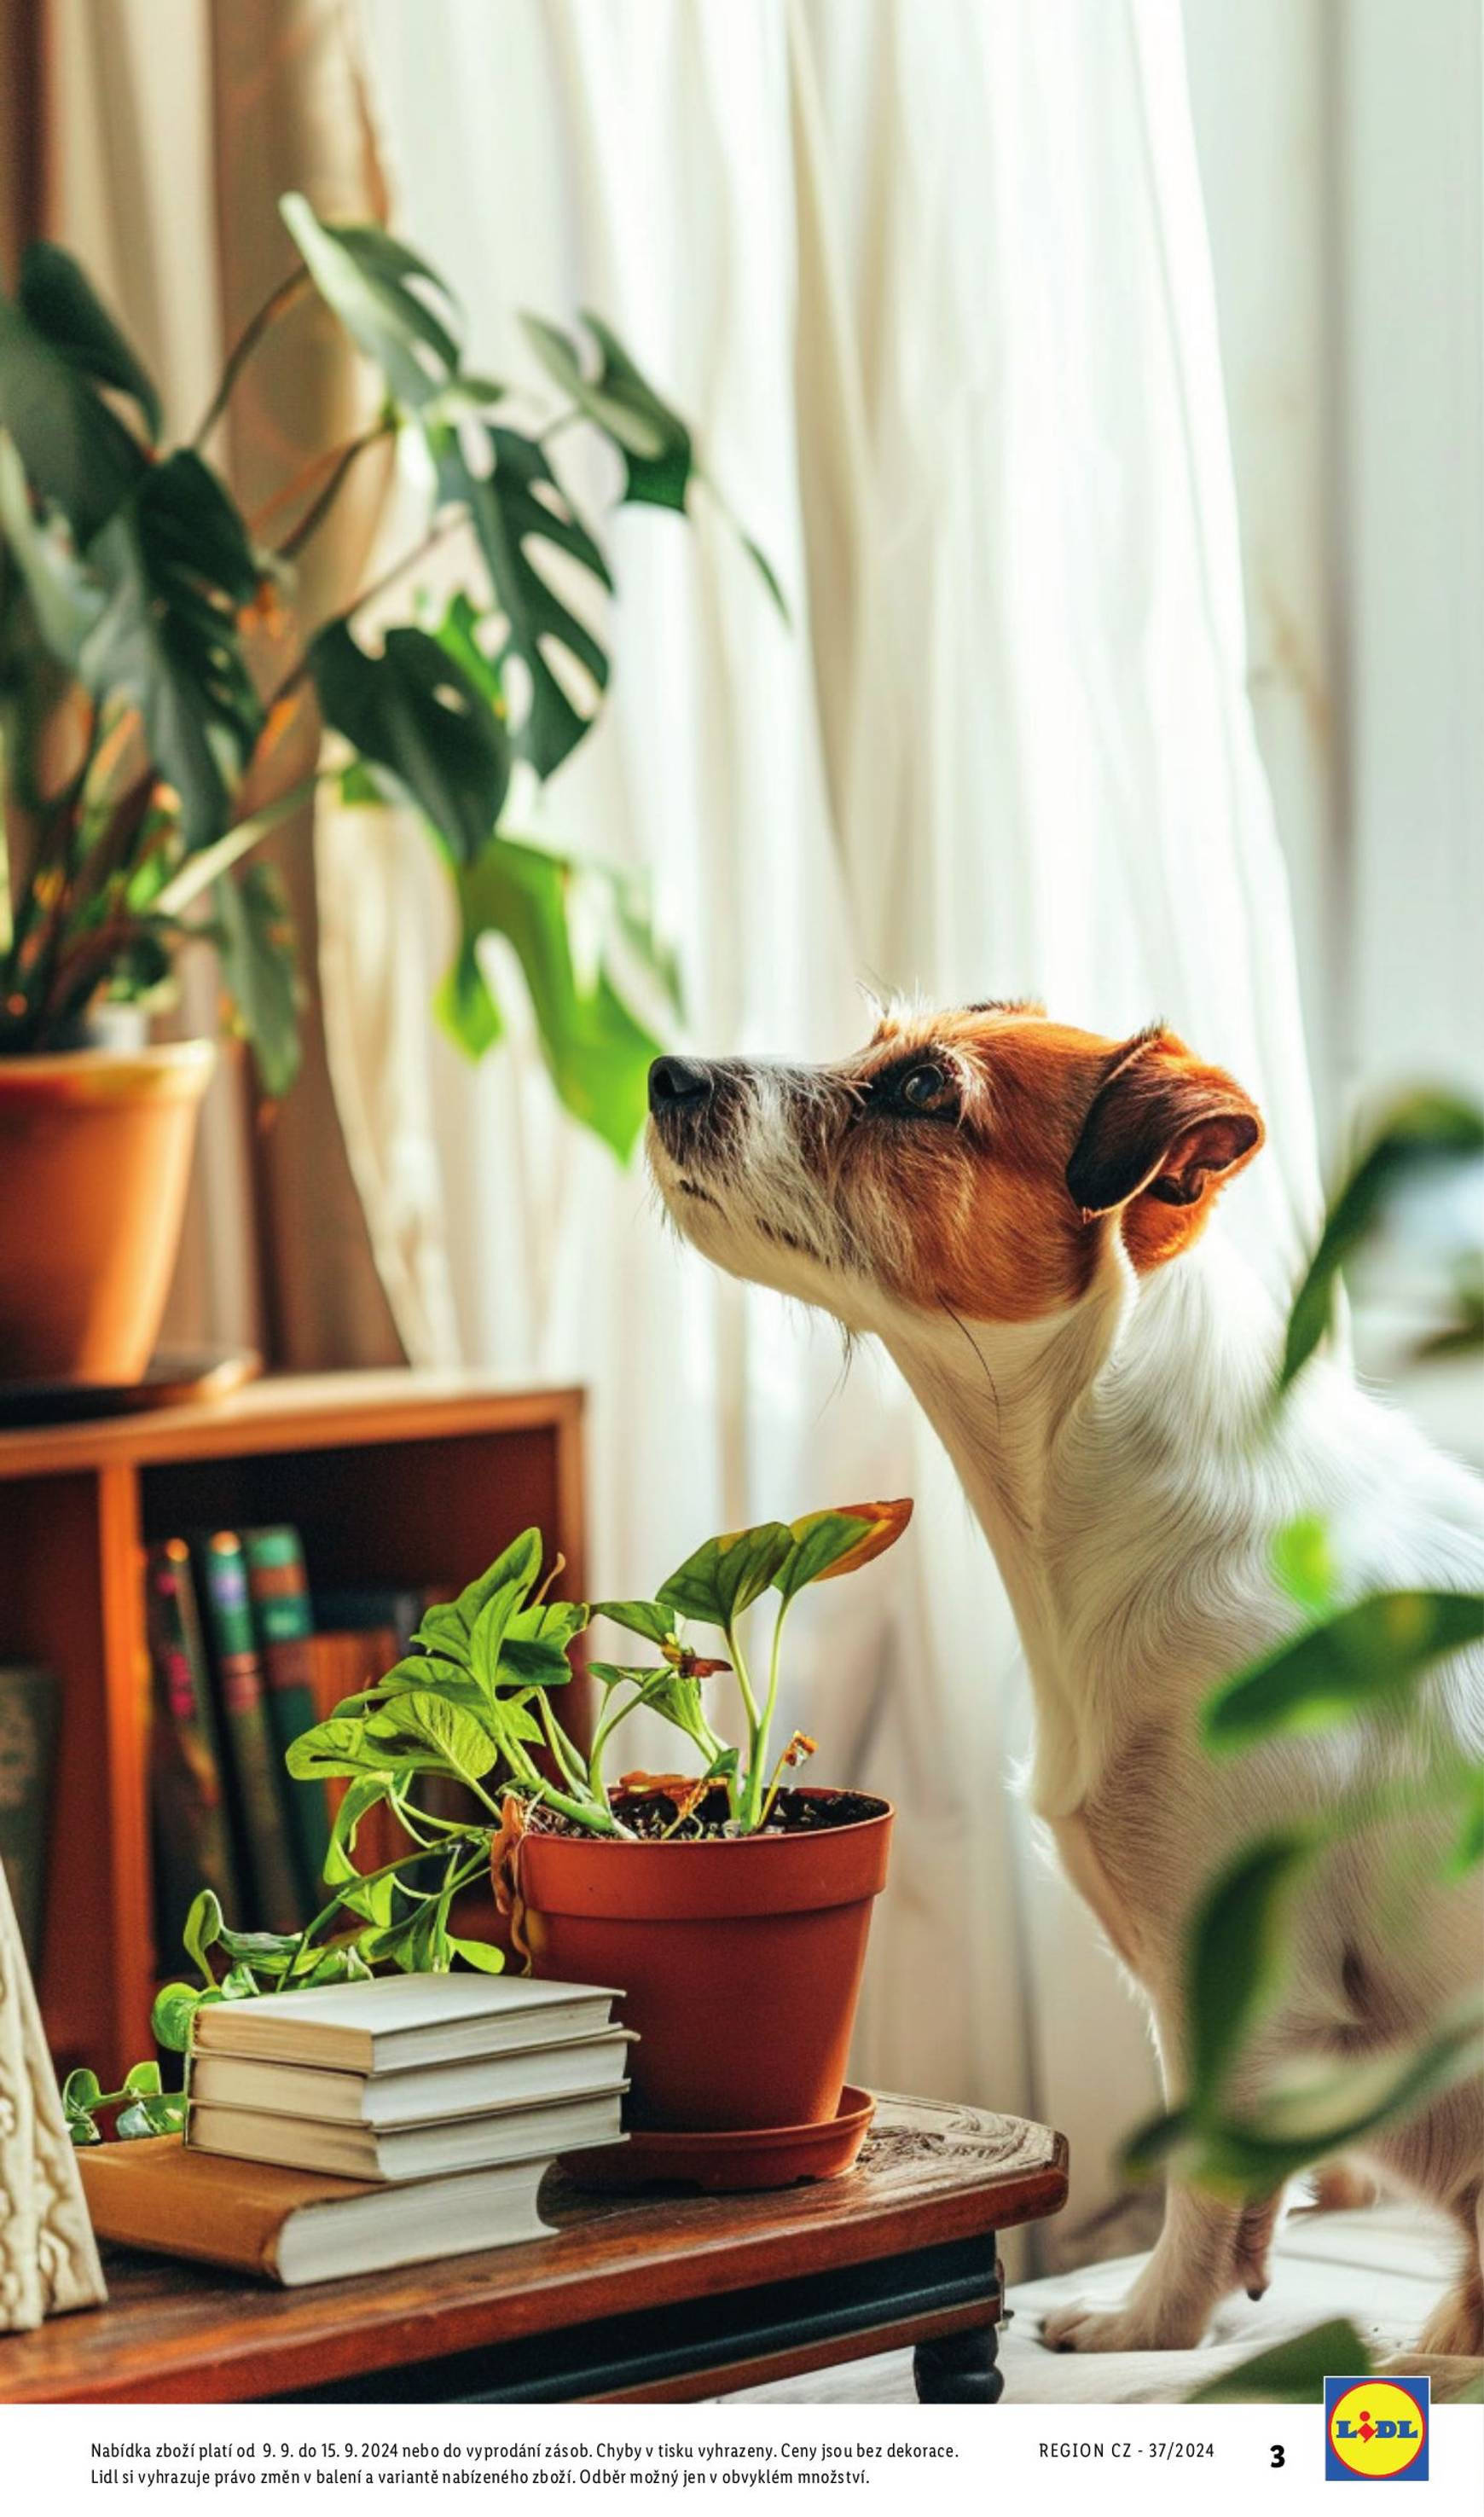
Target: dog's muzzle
679 1085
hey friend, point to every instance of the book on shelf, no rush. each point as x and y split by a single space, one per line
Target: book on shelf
291 2227
406 2023
260 1783
583 2065
194 1843
491 2139
277 1587
360 1608
29 1710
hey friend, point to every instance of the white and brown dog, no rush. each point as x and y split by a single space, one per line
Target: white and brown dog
1014 1209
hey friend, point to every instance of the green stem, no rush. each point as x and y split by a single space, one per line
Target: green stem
758 1756
368 1879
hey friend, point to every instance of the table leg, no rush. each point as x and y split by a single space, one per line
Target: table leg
959 2369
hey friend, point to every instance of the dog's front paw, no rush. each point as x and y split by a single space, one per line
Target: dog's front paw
1136 2327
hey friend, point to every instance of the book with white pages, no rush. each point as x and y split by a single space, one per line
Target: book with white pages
399 2022
497 2083
420 2153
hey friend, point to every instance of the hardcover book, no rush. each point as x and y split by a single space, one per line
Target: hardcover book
396 2158
579 2058
277 1587
261 1785
398 2022
194 1845
293 2227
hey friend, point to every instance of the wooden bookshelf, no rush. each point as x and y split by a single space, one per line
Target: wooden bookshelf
394 1476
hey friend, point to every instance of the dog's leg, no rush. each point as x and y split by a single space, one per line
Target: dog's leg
1204 2249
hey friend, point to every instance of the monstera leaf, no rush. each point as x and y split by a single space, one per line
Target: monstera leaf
660 468
1421 1133
520 514
395 308
597 1050
177 567
254 937
56 347
654 440
414 711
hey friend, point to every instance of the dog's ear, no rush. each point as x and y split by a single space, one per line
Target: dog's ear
1162 1126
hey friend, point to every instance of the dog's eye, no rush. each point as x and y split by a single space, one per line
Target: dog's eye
927 1087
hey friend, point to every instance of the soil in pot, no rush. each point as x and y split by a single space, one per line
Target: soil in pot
739 1958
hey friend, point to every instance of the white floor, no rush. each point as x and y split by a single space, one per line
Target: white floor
1383 2267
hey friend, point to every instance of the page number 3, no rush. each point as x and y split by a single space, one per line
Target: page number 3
1277 2455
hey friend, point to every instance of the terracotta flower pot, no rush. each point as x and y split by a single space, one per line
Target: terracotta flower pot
95 1161
740 1960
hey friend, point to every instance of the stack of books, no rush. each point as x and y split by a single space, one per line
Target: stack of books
352 2127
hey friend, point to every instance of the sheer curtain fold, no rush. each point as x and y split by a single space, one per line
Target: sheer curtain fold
933 285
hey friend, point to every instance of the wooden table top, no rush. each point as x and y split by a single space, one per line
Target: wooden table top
178 2333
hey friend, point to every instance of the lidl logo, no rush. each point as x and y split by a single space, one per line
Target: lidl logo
1375 2429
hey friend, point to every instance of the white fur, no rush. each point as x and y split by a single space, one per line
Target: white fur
1119 1459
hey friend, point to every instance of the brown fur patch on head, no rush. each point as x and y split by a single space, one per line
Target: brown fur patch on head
1054 1137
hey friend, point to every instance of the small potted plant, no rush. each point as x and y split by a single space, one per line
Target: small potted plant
729 1904
161 713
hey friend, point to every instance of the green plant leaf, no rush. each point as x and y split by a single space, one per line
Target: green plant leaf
728 1573
76 451
1359 1660
519 510
464 1003
177 565
414 711
1468 1850
597 1050
81 2092
651 438
269 1952
519 1562
826 1544
203 1929
654 442
149 2116
1237 1952
255 943
175 2007
143 2079
1147 2150
361 1795
395 306
339 1747
1305 1565
1312 2117
421 1722
481 1954
58 296
1292 2372
239 1984
487 1635
645 1617
1424 1131
65 597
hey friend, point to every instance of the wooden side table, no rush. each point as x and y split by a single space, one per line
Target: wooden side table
638 2298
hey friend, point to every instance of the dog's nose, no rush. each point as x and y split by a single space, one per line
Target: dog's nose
678 1084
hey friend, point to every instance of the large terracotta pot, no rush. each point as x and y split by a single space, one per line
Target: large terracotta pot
95 1161
740 1960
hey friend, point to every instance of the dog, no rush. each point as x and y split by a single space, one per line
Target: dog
1018 1211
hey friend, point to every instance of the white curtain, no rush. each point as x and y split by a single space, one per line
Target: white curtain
933 285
